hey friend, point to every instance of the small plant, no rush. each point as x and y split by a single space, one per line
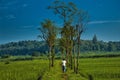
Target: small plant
7 62
35 54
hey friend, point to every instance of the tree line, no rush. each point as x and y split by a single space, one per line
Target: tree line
29 47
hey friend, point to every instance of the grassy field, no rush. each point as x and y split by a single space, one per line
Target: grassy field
101 68
22 70
97 68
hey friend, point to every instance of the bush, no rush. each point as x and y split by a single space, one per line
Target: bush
22 59
35 54
7 62
5 56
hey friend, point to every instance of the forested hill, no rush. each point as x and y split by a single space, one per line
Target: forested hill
23 47
29 47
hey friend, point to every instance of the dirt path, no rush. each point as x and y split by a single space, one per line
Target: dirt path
55 73
64 76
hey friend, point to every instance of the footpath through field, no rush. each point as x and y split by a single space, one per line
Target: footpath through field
56 73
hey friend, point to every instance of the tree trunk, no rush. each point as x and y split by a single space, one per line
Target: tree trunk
71 64
74 58
77 67
52 63
49 57
67 57
52 50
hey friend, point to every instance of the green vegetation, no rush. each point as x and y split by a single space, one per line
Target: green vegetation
94 68
31 47
101 68
22 70
39 60
98 54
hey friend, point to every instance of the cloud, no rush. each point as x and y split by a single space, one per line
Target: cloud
11 16
11 3
14 4
103 22
7 4
24 5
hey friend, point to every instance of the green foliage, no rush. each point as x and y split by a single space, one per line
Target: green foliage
65 11
99 54
7 62
48 33
23 47
29 47
35 54
5 56
94 40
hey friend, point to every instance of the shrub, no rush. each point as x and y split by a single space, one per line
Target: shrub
7 62
5 56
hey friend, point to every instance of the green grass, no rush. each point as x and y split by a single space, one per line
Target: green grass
22 70
98 68
101 68
56 73
99 54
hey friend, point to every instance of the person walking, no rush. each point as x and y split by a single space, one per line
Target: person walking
64 65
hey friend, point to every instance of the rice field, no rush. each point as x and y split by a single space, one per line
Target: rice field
101 68
98 68
22 70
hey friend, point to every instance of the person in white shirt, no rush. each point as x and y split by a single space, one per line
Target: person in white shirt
64 65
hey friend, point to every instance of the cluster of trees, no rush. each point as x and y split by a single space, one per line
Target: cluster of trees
23 48
40 47
70 32
95 45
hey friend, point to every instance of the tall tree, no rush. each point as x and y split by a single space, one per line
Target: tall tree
81 21
70 14
66 11
94 40
96 45
111 46
48 33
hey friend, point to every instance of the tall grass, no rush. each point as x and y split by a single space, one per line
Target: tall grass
101 68
89 69
22 70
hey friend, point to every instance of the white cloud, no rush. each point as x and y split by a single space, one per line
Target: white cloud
11 16
14 4
102 22
7 4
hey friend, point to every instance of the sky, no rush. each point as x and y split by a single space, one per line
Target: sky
19 19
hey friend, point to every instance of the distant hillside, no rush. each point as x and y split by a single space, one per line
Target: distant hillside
29 47
23 47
